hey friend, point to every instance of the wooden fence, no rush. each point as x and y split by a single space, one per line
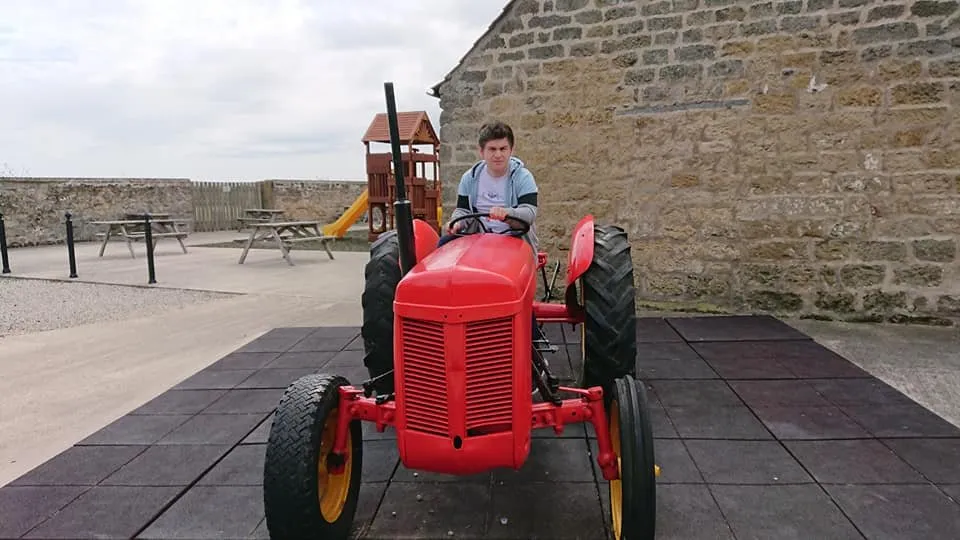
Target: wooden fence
217 205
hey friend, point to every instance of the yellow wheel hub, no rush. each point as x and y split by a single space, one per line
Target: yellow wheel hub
332 488
616 495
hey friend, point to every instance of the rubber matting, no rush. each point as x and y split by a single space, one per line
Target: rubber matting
760 433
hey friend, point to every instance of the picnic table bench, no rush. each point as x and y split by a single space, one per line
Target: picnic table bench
287 233
132 230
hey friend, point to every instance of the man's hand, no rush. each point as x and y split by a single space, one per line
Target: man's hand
454 227
498 213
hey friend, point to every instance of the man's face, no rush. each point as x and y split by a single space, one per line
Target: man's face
497 154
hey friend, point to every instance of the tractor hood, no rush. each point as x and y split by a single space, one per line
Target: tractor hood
474 270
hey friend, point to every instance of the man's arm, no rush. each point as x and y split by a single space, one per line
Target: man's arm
527 206
463 200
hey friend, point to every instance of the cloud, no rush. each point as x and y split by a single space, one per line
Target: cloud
219 89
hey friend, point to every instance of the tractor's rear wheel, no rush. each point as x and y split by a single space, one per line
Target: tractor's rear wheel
633 497
382 274
608 336
301 497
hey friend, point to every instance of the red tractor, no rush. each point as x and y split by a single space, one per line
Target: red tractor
455 353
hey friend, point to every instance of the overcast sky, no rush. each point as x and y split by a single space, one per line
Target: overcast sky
216 89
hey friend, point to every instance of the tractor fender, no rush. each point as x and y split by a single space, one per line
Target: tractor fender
425 238
581 250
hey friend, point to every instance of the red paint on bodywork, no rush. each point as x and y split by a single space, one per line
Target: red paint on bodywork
425 238
436 453
581 250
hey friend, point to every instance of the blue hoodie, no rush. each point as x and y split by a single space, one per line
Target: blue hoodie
520 182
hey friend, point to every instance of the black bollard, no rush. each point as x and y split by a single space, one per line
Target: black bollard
3 246
148 232
70 247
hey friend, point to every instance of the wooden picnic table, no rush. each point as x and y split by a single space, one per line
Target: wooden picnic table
258 215
132 230
286 233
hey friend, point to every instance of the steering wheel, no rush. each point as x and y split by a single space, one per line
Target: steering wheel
511 231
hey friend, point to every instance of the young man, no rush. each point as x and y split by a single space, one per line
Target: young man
498 184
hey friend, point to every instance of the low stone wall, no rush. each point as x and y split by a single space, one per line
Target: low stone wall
324 200
34 208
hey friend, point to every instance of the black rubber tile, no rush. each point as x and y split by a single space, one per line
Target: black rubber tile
953 491
243 360
432 510
216 379
299 360
556 332
688 393
246 401
900 421
210 512
746 462
552 460
707 421
136 430
744 359
367 503
776 360
24 507
174 465
380 459
537 510
798 512
321 343
274 378
671 361
106 512
179 402
79 466
676 465
863 461
809 423
370 432
227 429
346 359
290 333
242 466
870 391
404 474
271 344
655 330
570 431
808 359
937 459
899 512
355 345
734 328
261 433
684 512
320 332
786 393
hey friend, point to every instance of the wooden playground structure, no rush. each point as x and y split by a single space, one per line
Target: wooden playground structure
424 189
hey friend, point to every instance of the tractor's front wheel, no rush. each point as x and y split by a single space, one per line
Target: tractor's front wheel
381 274
633 496
302 498
608 336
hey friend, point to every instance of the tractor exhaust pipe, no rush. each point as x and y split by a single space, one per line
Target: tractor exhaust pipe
402 207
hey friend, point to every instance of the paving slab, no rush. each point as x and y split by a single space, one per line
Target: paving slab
760 433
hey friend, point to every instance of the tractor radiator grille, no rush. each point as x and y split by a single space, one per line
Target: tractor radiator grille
425 377
489 358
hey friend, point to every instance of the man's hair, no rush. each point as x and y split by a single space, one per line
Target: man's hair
492 131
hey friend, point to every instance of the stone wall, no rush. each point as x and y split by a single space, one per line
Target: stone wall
308 200
34 208
800 157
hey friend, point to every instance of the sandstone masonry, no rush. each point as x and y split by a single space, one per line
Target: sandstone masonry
797 157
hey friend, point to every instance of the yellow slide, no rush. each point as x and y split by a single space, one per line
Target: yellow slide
339 227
